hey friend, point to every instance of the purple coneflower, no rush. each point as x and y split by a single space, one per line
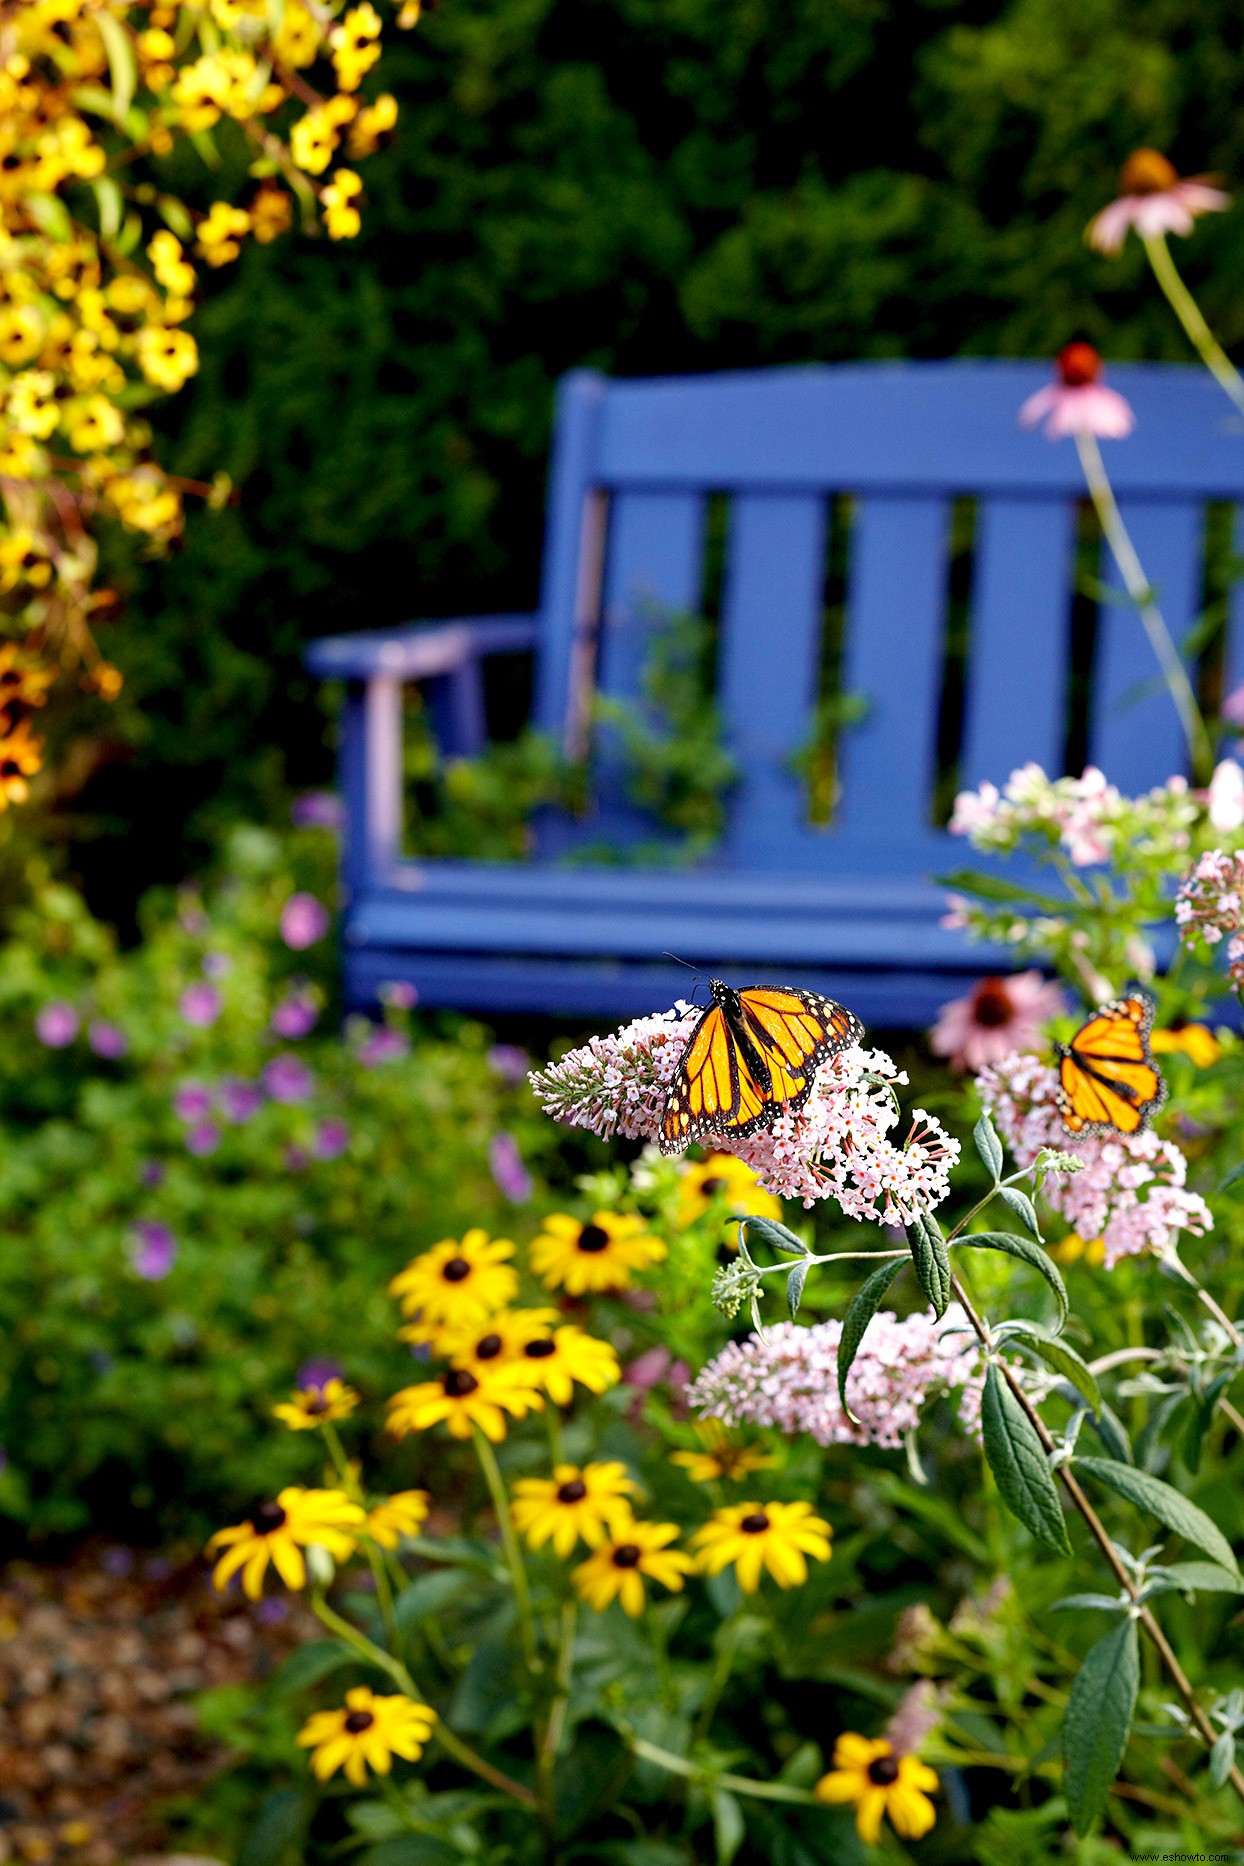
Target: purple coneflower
997 1016
1154 201
199 1005
1077 401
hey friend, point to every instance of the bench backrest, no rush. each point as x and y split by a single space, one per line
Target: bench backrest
635 464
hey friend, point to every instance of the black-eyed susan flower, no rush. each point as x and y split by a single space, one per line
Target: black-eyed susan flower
723 1176
458 1281
460 1399
403 1514
574 1504
585 1256
498 1340
367 1734
1196 1041
721 1456
868 1773
1071 1248
631 1551
755 1536
554 1362
312 1406
278 1531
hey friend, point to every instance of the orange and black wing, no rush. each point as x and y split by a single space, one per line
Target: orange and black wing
1108 1081
794 1032
714 1091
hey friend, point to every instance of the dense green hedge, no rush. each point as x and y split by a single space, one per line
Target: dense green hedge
644 185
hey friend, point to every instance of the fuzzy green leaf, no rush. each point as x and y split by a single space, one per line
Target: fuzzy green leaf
776 1235
1023 1208
794 1287
1222 1759
1027 1252
1060 1356
1019 1464
989 1147
1099 1716
868 1299
932 1260
1203 1577
1170 1506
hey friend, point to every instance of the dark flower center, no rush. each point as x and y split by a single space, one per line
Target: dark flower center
755 1524
456 1270
540 1350
1078 365
267 1518
489 1348
710 1187
317 1405
593 1238
883 1771
458 1383
573 1492
1147 171
627 1555
992 1008
358 1721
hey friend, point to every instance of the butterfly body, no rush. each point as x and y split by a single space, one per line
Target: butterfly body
1108 1080
752 1055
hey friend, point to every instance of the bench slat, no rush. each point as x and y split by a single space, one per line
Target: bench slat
1138 742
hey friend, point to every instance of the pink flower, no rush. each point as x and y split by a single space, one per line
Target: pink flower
383 1046
239 1099
1232 708
107 1040
287 1079
1226 796
510 1176
56 1026
510 1062
153 1251
997 1016
400 993
296 1015
203 1137
1209 907
331 1140
318 809
200 1005
304 920
192 1102
1077 402
1154 201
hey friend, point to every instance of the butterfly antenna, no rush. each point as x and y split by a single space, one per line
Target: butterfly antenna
699 976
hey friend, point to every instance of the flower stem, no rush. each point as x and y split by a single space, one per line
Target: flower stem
1188 311
737 1784
553 1729
453 1745
513 1553
1138 587
727 1646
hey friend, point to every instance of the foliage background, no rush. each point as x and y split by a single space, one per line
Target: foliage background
642 185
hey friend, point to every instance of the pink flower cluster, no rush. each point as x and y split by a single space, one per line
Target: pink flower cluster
836 1146
788 1377
1086 816
1131 1191
1210 906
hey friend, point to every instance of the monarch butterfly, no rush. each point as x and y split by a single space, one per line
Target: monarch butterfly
752 1055
1108 1081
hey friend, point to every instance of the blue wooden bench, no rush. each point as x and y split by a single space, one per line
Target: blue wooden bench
849 908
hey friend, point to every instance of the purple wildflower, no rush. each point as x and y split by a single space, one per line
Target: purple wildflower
239 1099
318 1371
217 965
318 809
107 1040
203 1137
272 1611
509 1174
153 1250
331 1140
304 920
192 1102
296 1015
287 1079
510 1062
151 1172
297 1159
383 1046
56 1026
200 1005
400 994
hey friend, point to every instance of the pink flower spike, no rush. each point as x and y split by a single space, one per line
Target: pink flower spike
1154 201
304 921
1233 707
1078 402
998 1015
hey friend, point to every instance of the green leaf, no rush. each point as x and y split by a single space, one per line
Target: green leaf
1170 1506
311 1663
175 217
1100 1603
50 215
776 1235
279 1825
1099 1716
1016 1246
729 1827
121 64
427 1594
1056 1354
1023 1208
1222 1759
1233 1177
868 1299
108 200
1203 1577
989 1147
1017 1459
993 888
794 1287
1109 1429
932 1260
412 1850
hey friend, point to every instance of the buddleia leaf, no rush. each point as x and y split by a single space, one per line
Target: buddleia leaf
1023 1208
868 1299
1060 1356
989 1147
776 1235
794 1287
1027 1252
1170 1506
1099 1716
1021 1469
932 1260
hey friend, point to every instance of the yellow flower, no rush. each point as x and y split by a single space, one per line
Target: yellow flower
219 232
721 1457
401 1515
1195 1040
30 403
93 425
19 456
724 1177
145 503
367 1734
21 755
169 263
1073 1247
458 1282
298 41
555 1362
633 1549
341 220
278 1532
312 142
354 54
461 1399
167 357
498 1340
23 680
315 1406
867 1772
372 122
271 213
574 1503
24 559
755 1536
21 334
409 15
600 1253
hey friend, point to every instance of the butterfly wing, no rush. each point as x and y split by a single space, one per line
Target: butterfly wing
794 1032
714 1090
1108 1081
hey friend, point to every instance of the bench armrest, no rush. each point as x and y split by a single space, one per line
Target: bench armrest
420 650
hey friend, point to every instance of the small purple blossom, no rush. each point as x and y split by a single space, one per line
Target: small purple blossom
239 1100
383 1046
192 1102
56 1026
153 1250
217 965
151 1172
296 1015
117 1563
107 1040
1232 708
297 1159
510 1062
203 1138
318 809
509 1174
331 1140
400 994
200 1005
318 1371
287 1079
304 920
273 1611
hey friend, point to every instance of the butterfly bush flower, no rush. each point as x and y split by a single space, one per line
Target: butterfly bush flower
1154 201
304 921
56 1026
200 1005
836 1146
287 1079
318 809
107 1040
1087 818
239 1099
1209 908
788 1378
1131 1192
153 1251
1078 401
383 1046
